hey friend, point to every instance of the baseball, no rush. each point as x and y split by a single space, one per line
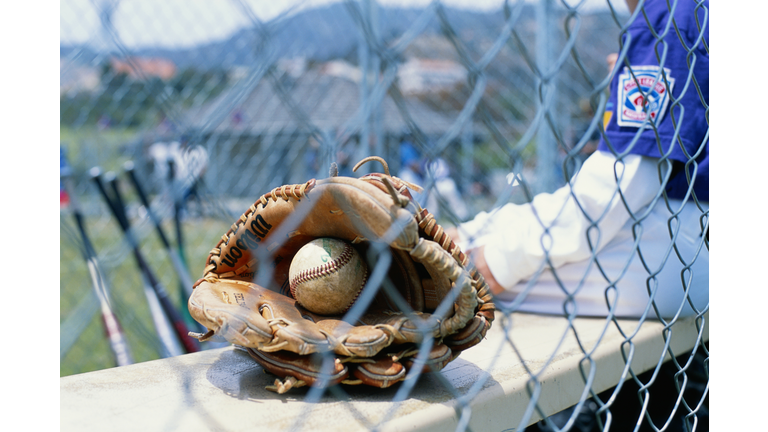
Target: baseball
326 276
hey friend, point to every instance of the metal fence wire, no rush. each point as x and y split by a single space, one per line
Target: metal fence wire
482 103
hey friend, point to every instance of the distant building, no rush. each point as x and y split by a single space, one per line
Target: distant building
74 78
418 75
341 69
294 67
144 67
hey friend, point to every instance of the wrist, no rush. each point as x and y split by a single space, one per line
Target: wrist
478 258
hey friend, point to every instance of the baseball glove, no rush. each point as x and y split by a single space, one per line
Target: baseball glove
432 301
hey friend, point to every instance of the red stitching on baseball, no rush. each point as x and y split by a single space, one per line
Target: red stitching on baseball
325 269
365 279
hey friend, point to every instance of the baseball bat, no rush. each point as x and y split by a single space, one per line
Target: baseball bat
179 326
175 193
176 259
177 206
169 343
178 263
118 344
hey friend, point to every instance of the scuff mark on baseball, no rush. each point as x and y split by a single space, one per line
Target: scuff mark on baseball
327 275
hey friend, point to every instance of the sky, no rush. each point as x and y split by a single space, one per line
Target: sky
183 23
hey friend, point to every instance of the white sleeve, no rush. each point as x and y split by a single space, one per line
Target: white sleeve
514 235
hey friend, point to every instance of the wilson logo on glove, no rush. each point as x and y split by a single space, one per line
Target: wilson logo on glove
249 240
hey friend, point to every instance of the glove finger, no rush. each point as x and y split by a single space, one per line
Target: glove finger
377 330
439 356
221 307
357 341
306 368
372 215
429 228
381 373
231 308
431 253
469 336
292 330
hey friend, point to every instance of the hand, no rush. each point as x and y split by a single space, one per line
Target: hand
453 233
477 256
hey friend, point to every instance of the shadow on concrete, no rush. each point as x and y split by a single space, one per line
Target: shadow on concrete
236 374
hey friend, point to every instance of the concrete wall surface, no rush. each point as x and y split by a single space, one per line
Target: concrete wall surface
224 389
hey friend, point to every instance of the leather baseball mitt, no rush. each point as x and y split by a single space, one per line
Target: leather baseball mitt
419 310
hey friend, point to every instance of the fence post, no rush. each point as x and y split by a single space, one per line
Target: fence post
546 147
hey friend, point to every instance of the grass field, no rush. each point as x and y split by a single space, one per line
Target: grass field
91 351
87 147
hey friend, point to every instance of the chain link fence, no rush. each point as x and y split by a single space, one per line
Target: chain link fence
484 104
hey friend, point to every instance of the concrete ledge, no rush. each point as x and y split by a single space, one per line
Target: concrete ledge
223 389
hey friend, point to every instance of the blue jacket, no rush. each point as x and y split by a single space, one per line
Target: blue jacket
642 90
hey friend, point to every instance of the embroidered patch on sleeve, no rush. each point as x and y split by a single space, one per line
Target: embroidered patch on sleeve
650 98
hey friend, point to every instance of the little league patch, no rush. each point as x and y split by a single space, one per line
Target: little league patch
642 95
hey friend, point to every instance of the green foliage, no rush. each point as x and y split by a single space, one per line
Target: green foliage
193 87
125 102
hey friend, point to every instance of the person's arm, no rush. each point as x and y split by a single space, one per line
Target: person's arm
507 245
632 5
